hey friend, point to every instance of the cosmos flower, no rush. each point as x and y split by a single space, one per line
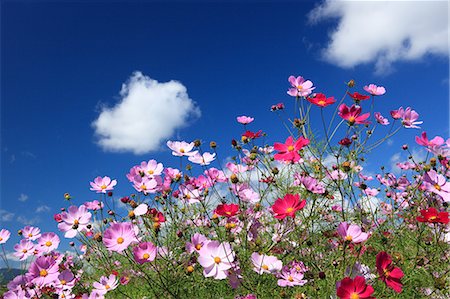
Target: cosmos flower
375 90
265 263
180 148
358 97
431 215
381 119
227 210
319 99
119 236
4 236
354 289
288 151
216 258
436 183
43 271
245 120
106 284
389 274
423 140
102 185
74 220
202 159
145 252
31 233
48 242
353 114
197 242
24 249
287 206
300 87
291 278
351 233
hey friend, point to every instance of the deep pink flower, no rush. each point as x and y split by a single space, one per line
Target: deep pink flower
351 233
375 90
423 140
354 289
102 185
389 274
288 206
279 106
319 99
288 151
227 210
145 252
245 120
216 258
119 236
409 119
431 215
353 114
381 119
357 96
300 87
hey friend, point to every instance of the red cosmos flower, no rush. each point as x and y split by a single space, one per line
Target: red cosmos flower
251 135
352 114
388 273
289 150
319 99
157 215
354 289
431 215
357 96
227 210
287 206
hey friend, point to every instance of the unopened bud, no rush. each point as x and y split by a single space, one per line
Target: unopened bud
213 144
351 83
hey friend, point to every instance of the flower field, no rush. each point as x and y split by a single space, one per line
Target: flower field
298 218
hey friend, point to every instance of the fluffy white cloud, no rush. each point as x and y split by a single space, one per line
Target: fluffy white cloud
42 209
147 114
6 216
383 31
23 197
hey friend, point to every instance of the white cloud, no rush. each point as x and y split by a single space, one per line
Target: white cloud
23 197
42 209
28 221
6 216
383 31
148 113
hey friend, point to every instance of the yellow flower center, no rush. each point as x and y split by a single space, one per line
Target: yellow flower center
30 235
265 267
437 187
289 210
432 218
354 296
217 260
103 187
150 172
348 238
182 150
24 250
146 256
299 87
351 119
120 240
143 187
321 103
43 273
107 287
386 272
76 222
198 246
1 239
63 282
290 278
290 148
48 243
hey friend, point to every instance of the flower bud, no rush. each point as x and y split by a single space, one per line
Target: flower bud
197 142
351 83
213 144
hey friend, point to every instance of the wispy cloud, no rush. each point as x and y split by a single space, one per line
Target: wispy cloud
6 216
23 197
147 114
28 221
383 31
42 209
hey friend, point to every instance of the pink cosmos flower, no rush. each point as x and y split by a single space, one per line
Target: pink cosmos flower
48 242
106 284
236 168
4 235
310 183
265 263
16 294
215 175
437 184
216 258
74 221
65 280
381 119
351 233
245 120
119 236
145 252
291 278
423 140
24 249
93 205
409 119
190 193
101 185
43 271
288 151
245 193
300 87
197 242
375 90
204 159
152 168
353 114
147 185
180 148
31 233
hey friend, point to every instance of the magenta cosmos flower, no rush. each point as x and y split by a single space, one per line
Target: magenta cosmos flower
74 220
354 289
375 90
245 120
48 242
106 284
145 252
101 185
288 151
288 206
353 114
423 140
180 148
43 271
119 236
351 233
4 236
381 119
265 263
300 87
409 118
216 258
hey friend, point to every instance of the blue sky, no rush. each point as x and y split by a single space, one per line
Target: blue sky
63 64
